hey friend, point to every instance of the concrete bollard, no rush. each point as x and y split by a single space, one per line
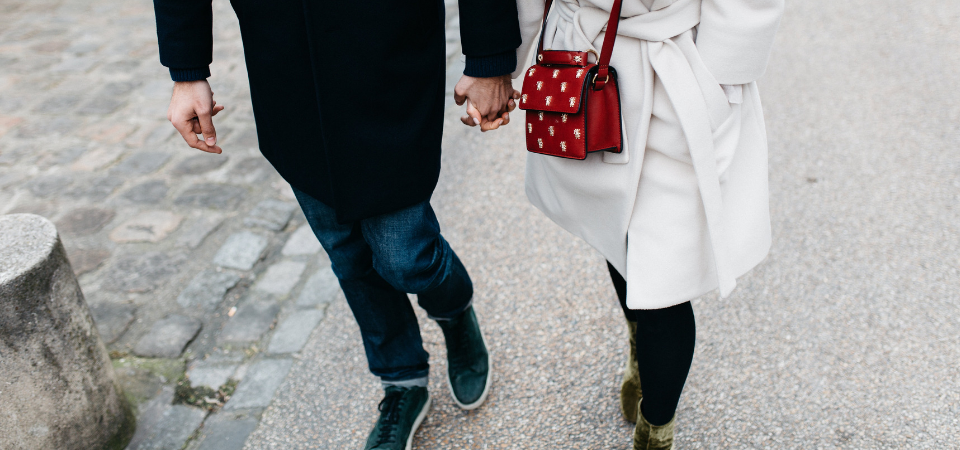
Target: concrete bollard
57 388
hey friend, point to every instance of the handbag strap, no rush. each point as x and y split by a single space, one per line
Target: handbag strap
603 62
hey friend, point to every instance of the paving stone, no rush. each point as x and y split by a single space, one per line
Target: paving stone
68 155
280 277
150 192
85 221
10 157
207 289
159 135
57 126
252 320
252 170
270 214
168 337
96 159
11 178
45 209
170 431
84 260
75 65
301 242
321 288
58 104
10 105
101 105
141 272
259 384
224 432
212 195
198 164
150 413
247 138
97 188
241 250
323 260
142 163
108 132
124 66
48 186
148 226
112 320
292 334
211 375
198 229
285 190
118 88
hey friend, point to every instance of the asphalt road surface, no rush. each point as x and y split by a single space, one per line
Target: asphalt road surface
847 336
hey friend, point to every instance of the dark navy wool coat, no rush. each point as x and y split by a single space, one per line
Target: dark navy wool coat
348 95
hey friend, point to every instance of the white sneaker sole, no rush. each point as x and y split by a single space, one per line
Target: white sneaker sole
486 388
416 423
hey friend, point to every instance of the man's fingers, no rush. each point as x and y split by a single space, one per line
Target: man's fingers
491 113
206 126
185 129
216 109
506 118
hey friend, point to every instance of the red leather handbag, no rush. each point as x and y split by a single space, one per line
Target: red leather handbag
573 106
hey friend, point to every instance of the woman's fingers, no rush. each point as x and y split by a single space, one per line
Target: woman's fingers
491 125
474 113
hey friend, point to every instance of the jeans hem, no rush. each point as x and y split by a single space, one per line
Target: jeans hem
414 382
453 315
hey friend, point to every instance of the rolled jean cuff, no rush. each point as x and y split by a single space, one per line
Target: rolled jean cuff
451 315
416 382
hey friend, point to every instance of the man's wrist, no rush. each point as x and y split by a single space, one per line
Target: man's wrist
491 66
192 74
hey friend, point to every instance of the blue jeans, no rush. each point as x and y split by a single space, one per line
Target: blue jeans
378 261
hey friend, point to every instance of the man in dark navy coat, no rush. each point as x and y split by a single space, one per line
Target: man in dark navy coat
348 98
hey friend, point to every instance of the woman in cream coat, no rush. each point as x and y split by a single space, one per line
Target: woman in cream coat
683 210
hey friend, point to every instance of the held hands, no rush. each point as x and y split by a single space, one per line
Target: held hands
191 112
489 101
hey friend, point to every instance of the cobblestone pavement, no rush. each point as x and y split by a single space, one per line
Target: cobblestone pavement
195 266
846 337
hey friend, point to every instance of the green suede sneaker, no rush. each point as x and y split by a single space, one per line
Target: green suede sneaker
401 412
468 363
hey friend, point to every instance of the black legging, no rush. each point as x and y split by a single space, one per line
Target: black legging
665 342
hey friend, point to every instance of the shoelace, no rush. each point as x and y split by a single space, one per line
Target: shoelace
389 417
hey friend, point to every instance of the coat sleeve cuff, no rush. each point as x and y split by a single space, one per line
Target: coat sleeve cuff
492 65
194 74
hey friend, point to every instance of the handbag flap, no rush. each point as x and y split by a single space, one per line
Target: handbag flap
554 88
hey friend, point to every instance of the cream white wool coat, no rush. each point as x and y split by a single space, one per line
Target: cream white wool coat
684 209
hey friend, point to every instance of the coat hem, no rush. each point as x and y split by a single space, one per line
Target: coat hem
701 290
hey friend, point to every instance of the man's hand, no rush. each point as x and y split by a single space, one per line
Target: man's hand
191 112
489 100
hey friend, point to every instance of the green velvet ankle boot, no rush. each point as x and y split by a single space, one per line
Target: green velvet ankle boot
650 437
630 392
